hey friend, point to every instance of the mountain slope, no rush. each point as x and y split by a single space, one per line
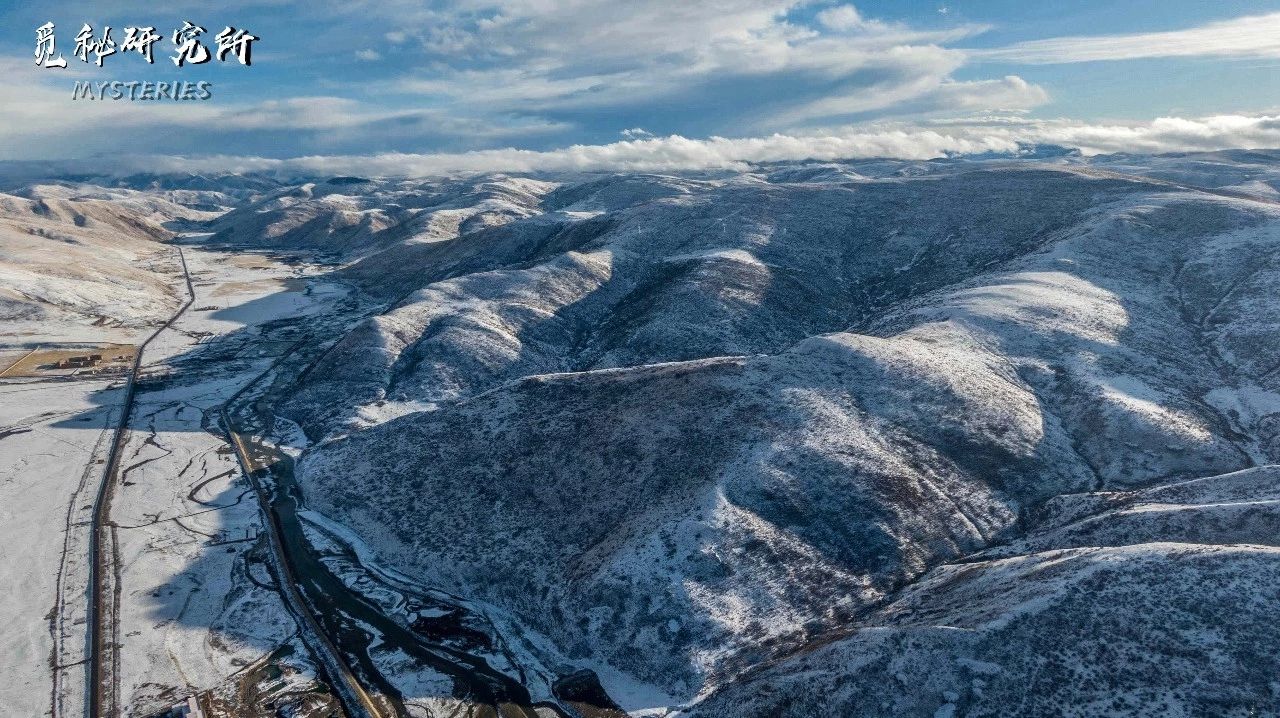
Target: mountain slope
740 267
76 255
645 435
350 217
1163 603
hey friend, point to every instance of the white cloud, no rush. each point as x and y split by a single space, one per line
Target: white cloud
580 55
841 18
1008 93
656 154
918 142
37 103
1164 134
490 69
1254 36
922 84
42 120
524 71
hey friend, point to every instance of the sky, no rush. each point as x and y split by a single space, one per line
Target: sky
400 86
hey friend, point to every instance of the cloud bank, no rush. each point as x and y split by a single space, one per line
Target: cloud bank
1255 36
472 85
1002 134
476 74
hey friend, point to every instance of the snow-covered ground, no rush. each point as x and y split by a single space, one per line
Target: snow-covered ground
183 515
811 439
182 519
86 264
715 424
187 614
52 434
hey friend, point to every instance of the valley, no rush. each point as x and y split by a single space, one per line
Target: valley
871 437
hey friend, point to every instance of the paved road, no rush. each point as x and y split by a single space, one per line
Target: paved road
100 691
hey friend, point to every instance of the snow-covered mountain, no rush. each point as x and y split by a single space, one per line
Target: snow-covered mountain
352 216
75 255
687 427
834 438
1154 602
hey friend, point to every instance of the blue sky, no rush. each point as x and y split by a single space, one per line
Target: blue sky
359 77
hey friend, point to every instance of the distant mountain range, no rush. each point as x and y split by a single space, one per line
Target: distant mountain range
963 437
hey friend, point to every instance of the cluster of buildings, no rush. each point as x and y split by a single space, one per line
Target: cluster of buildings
80 362
91 363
